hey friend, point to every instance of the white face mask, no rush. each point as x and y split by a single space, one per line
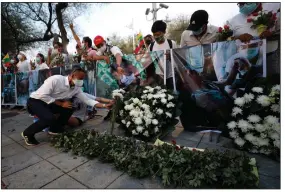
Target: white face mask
103 48
19 57
55 51
77 83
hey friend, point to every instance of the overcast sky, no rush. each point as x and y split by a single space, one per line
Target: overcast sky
116 17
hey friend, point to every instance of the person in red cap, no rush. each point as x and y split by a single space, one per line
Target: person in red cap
109 50
88 54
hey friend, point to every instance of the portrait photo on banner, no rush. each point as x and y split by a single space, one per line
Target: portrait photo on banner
8 89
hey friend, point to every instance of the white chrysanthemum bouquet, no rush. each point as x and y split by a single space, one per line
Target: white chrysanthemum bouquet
147 111
256 121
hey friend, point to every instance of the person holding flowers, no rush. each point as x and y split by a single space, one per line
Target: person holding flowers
259 20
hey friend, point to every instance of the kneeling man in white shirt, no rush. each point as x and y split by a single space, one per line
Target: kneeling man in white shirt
53 98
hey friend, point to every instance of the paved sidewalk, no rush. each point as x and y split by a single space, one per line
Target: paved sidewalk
45 167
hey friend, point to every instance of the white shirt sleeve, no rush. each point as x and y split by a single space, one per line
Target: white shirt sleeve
90 102
115 50
29 65
90 96
45 91
182 42
174 45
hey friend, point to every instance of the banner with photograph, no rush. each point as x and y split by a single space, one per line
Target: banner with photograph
9 89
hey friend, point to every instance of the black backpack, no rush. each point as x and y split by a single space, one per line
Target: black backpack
168 40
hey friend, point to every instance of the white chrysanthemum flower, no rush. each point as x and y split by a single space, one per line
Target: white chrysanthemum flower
254 118
162 95
260 128
154 121
134 113
236 110
154 102
134 132
263 142
170 104
138 121
163 101
234 134
121 112
150 96
239 141
257 89
149 115
276 88
159 111
145 106
123 121
145 91
263 136
263 100
139 129
158 87
249 137
248 97
275 108
118 95
156 96
128 107
271 120
277 127
244 125
239 101
168 115
277 143
170 97
151 90
136 100
148 87
128 123
156 129
253 151
147 121
146 134
274 136
232 125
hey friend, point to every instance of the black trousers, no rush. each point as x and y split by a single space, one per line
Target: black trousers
46 114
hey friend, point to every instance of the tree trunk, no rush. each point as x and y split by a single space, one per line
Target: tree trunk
58 9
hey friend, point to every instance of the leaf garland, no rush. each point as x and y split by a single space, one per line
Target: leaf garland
176 166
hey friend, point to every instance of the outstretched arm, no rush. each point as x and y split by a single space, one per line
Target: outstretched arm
77 39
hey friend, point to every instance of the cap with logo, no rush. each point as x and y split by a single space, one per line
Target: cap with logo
198 19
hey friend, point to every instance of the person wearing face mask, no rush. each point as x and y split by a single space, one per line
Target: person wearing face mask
161 43
242 30
23 65
53 97
40 62
85 49
110 51
199 31
56 57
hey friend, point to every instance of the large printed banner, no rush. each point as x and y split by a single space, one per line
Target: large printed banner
230 64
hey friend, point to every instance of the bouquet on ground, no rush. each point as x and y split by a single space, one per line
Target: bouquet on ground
147 112
224 34
262 21
256 121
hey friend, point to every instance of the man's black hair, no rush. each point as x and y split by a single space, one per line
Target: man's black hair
76 69
158 26
42 57
88 40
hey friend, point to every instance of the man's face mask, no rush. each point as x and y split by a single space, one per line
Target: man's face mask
160 39
103 48
248 8
77 83
20 57
199 31
250 53
38 59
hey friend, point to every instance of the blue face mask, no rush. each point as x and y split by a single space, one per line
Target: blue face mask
247 9
252 52
199 31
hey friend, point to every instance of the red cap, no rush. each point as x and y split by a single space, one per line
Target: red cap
98 40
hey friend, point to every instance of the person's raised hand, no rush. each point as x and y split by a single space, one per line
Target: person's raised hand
49 51
71 26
